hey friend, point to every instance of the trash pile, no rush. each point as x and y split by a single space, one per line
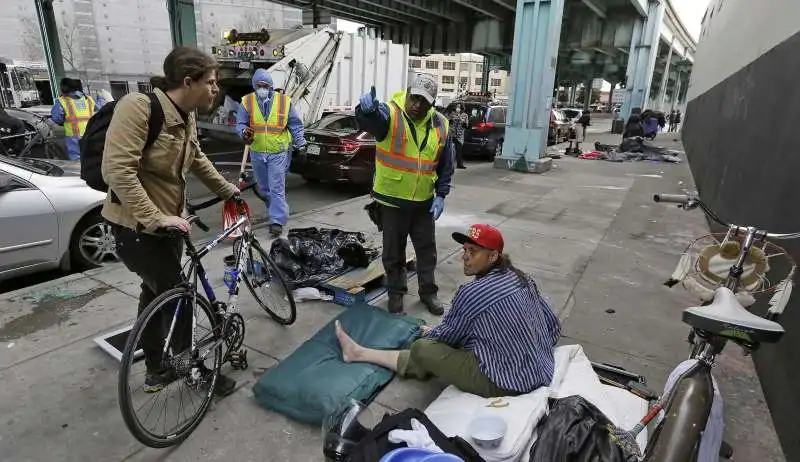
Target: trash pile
632 149
309 256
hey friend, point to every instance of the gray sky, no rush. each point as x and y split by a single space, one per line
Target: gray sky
691 13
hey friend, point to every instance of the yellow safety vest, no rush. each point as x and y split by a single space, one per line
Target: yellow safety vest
401 170
76 115
269 135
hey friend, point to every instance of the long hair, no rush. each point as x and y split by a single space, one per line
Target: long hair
180 63
504 261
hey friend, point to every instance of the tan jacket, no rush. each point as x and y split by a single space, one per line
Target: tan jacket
152 186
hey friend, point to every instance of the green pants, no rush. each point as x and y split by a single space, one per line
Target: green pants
454 366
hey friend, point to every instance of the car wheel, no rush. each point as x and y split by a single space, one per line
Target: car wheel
92 243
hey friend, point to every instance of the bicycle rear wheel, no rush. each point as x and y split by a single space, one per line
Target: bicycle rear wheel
268 285
188 381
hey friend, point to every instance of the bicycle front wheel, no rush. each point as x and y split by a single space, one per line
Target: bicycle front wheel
165 396
268 285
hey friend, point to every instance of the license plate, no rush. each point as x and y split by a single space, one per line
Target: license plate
244 65
313 149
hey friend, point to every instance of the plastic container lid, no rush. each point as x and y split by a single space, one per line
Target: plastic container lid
418 455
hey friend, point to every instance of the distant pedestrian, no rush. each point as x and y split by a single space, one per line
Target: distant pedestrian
671 120
677 120
72 110
458 123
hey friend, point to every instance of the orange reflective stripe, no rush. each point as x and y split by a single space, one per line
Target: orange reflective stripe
401 160
405 166
282 116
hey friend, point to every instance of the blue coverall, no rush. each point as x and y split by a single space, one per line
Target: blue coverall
271 168
58 115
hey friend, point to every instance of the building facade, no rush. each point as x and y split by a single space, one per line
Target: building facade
118 44
459 73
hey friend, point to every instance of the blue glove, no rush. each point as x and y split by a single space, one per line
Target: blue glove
368 102
437 207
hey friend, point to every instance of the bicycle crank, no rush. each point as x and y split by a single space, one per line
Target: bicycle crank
238 359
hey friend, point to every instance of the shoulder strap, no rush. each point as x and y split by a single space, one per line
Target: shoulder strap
155 122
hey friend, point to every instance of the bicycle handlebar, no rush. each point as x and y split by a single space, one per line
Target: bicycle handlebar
689 202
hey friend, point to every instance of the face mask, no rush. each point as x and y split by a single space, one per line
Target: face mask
458 109
262 93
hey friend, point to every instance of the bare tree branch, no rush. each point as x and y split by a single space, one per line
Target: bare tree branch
31 38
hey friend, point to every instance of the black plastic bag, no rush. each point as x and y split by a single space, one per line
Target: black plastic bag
576 431
309 256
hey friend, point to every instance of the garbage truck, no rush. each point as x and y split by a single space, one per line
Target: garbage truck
322 70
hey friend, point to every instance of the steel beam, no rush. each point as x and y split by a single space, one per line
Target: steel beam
182 23
486 7
359 7
642 59
399 9
439 8
597 7
52 47
510 4
537 31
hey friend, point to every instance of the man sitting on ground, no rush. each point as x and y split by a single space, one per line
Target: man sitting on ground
496 340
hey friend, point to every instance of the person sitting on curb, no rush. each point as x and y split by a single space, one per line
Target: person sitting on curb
496 340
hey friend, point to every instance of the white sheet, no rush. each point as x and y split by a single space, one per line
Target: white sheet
453 409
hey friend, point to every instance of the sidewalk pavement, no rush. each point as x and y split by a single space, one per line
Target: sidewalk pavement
587 230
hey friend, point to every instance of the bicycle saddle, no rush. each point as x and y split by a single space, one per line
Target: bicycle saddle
726 317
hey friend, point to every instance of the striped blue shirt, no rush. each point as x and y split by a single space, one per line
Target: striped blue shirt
508 325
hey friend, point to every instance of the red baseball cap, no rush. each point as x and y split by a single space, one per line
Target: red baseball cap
485 236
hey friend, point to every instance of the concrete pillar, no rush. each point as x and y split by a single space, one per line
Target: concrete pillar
662 91
611 94
533 64
642 58
182 22
587 93
485 74
52 47
676 97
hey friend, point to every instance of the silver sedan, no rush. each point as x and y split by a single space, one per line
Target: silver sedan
49 218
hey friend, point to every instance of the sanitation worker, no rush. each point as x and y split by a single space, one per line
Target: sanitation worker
413 169
268 122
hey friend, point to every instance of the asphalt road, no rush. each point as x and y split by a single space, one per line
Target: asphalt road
302 196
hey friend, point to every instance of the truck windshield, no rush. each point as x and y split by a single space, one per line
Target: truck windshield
21 79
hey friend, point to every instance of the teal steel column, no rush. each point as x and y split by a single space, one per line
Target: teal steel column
642 59
537 31
182 23
52 47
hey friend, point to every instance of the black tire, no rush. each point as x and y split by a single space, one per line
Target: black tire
126 405
256 250
94 227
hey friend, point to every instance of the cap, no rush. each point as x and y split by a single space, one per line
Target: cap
485 236
424 85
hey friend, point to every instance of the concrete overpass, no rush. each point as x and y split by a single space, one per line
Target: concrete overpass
640 44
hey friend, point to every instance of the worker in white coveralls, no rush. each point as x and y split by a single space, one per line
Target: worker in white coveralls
269 123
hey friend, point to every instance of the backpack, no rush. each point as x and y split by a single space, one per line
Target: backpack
93 140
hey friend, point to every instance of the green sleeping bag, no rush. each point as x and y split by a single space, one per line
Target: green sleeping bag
313 381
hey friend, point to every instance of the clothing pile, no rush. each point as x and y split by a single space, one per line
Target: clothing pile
309 256
631 149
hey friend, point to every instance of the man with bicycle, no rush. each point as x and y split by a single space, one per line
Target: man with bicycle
147 193
72 110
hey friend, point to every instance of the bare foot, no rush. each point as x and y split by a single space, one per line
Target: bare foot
350 349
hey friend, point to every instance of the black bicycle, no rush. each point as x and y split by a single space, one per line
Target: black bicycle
200 334
723 319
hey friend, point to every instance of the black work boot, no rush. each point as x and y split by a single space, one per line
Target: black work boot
396 303
275 230
433 304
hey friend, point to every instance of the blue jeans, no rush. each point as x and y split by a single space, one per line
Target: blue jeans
270 171
73 147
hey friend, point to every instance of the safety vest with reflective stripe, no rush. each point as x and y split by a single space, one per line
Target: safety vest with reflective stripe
269 135
76 115
401 169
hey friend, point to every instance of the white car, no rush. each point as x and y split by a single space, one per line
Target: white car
50 218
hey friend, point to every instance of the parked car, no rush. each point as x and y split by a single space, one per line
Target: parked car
560 127
49 218
572 114
487 127
337 151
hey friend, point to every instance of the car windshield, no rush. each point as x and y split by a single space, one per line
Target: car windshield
571 113
39 166
339 123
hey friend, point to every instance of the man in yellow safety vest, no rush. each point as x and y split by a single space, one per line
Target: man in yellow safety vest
413 169
72 110
268 121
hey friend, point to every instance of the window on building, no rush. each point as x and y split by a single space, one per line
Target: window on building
479 81
479 68
415 63
144 87
447 90
463 80
448 79
464 66
449 66
431 64
496 82
119 89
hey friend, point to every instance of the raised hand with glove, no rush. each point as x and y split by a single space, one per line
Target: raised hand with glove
368 102
437 207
